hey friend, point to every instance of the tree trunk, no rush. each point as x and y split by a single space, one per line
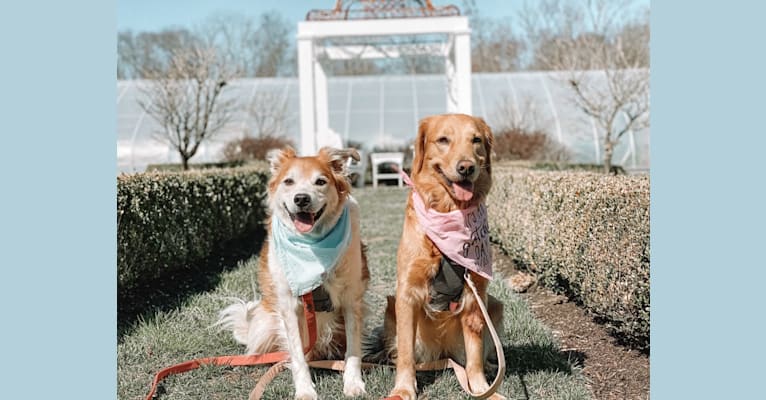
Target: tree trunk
608 150
185 162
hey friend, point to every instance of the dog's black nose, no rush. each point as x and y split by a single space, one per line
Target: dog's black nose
465 168
302 199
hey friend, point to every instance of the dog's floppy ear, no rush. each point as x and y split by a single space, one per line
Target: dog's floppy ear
489 140
337 158
420 145
276 157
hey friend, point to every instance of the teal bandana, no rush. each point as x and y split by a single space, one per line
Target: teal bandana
307 260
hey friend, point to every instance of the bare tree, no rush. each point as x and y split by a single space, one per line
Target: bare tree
268 114
185 98
520 134
525 116
414 61
604 65
232 35
267 129
635 37
276 56
495 47
259 47
147 51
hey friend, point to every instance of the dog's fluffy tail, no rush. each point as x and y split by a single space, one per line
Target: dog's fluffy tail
236 318
252 326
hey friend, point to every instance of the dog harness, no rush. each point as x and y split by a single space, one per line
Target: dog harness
447 286
322 300
307 260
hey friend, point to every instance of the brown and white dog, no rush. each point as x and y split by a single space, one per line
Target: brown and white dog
451 171
307 199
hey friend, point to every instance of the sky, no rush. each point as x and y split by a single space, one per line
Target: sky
154 15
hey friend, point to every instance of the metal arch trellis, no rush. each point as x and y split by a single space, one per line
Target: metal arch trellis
378 9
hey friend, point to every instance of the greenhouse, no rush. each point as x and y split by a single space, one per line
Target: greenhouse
380 112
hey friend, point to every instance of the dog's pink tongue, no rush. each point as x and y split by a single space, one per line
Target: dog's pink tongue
304 222
463 191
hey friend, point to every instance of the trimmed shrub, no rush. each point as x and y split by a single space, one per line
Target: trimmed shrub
176 167
253 148
168 221
561 166
518 144
583 234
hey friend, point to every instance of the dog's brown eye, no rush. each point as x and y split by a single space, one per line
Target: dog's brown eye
442 140
288 181
320 182
476 140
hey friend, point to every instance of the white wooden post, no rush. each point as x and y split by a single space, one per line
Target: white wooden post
452 89
307 87
463 71
320 99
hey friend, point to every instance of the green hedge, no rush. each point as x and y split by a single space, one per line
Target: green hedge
176 167
583 234
167 221
561 166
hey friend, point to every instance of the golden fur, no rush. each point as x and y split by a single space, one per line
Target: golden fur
444 142
277 321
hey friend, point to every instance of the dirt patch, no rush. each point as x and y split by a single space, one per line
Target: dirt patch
613 371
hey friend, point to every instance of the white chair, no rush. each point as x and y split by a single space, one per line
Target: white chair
376 159
357 167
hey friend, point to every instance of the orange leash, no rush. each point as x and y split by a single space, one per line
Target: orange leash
269 376
241 360
280 358
437 365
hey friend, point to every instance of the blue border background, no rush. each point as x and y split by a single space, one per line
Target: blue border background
57 213
708 142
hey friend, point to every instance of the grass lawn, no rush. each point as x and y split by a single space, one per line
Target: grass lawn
536 369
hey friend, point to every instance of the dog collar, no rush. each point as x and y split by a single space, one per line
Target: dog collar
307 261
460 235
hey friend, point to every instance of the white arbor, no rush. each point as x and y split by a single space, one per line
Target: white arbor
455 48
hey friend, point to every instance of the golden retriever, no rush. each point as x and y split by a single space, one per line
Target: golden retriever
308 199
451 171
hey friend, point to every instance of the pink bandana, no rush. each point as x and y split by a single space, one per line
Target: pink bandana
461 235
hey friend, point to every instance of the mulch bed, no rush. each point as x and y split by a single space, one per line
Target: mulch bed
614 371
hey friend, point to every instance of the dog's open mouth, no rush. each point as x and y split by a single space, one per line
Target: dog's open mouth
463 190
303 220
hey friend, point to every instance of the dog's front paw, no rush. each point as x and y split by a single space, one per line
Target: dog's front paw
353 386
306 394
403 394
